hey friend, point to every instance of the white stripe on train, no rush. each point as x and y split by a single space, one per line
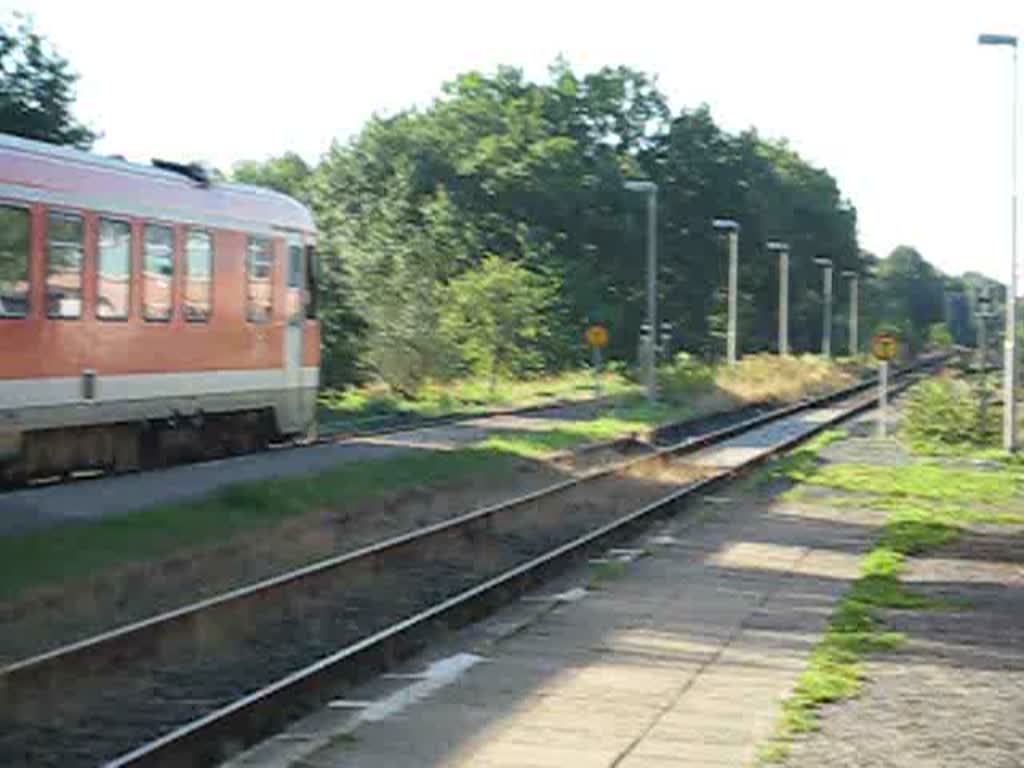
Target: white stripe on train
42 392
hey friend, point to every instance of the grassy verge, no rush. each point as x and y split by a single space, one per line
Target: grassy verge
365 405
79 550
927 507
684 379
631 417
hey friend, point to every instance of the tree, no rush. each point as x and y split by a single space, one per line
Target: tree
495 315
37 89
288 173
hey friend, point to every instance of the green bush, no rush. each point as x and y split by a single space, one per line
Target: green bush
684 377
948 412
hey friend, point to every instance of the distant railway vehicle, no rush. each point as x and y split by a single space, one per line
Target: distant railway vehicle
147 314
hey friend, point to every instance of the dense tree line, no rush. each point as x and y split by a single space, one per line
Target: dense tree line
413 208
484 232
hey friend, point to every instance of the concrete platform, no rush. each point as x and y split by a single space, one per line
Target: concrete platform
681 661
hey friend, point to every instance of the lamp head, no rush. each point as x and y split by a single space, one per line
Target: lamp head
635 185
823 261
725 225
989 39
777 245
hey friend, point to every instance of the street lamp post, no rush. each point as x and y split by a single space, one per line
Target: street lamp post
1010 342
732 230
826 335
651 190
983 314
854 298
783 250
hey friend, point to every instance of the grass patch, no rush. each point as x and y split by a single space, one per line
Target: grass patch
605 572
631 418
798 464
365 405
922 480
79 550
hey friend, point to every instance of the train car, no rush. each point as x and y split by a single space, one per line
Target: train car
147 313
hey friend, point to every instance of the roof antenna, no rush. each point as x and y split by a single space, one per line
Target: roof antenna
193 171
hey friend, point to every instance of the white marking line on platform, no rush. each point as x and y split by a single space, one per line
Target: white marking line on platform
664 540
348 704
437 676
633 554
718 500
569 596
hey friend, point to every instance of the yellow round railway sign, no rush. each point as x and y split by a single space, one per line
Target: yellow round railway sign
597 336
884 346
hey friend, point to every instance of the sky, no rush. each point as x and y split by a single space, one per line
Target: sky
894 98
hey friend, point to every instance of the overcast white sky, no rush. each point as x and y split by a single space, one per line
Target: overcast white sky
894 98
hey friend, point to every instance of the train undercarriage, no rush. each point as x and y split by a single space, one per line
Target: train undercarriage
127 447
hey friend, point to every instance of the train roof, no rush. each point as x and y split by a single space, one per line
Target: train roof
61 176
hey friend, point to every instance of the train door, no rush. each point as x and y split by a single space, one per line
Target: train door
293 333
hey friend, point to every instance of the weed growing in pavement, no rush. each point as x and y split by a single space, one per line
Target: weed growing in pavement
606 571
796 465
927 507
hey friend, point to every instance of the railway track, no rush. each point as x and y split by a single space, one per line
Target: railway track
192 685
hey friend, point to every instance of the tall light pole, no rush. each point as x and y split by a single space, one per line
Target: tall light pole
1010 342
984 312
854 278
783 250
732 230
826 334
651 190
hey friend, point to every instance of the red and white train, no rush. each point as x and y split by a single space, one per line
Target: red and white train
147 314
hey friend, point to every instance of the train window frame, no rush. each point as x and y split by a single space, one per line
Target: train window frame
29 217
261 319
101 219
185 275
295 285
312 280
146 227
64 213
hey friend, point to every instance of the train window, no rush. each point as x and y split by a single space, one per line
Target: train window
64 265
312 272
259 282
157 272
198 276
295 296
114 270
14 257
